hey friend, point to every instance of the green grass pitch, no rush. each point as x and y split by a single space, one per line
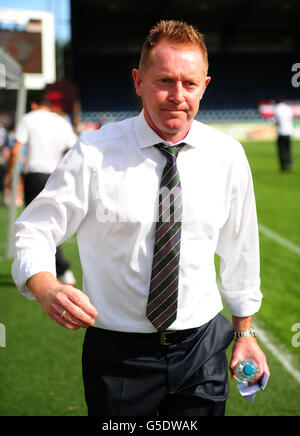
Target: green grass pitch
40 367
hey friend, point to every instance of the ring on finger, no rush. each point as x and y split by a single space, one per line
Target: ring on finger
63 314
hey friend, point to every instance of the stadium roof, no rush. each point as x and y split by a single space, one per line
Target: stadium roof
231 25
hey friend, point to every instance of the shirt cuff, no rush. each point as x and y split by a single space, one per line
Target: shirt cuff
244 304
23 269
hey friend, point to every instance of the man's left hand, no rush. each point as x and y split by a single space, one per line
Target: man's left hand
248 348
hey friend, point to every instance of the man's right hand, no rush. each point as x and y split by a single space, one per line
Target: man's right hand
68 306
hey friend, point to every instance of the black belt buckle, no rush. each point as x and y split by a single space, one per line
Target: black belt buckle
163 338
178 336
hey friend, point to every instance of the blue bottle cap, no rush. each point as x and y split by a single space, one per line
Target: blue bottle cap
248 369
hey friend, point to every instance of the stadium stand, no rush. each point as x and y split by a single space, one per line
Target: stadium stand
252 47
238 84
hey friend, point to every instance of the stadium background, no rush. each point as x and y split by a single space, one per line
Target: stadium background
252 46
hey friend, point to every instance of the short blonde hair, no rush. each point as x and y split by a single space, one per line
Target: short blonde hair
177 32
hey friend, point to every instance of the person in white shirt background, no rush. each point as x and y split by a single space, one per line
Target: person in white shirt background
106 191
3 145
283 115
47 136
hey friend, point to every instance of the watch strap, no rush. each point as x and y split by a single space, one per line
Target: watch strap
244 334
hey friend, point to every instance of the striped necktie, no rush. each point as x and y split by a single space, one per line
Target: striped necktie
163 293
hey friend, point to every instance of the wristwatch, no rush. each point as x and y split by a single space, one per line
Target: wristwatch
244 334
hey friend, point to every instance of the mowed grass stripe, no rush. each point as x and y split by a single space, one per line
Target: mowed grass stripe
278 199
279 239
40 367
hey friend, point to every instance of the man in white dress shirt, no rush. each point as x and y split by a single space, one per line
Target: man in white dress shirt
47 137
106 190
283 115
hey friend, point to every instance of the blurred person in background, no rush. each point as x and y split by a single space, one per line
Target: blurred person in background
7 194
283 116
156 341
3 160
47 137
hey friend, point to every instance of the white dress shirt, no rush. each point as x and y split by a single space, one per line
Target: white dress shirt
47 136
283 115
106 190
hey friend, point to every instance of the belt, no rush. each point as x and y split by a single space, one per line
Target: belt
168 337
174 337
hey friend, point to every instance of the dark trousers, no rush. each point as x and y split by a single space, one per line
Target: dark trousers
34 183
284 152
131 374
2 174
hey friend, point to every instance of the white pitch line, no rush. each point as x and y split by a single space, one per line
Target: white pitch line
281 354
278 350
279 239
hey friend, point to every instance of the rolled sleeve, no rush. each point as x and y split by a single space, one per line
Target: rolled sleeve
238 245
50 219
30 261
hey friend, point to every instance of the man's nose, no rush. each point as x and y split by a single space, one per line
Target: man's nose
177 93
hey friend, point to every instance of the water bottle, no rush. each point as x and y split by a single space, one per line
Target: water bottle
246 371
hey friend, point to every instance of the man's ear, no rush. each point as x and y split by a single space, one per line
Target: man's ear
207 80
137 80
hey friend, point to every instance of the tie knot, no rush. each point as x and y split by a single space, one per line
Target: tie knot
170 151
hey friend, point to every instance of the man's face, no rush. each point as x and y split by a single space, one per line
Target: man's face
171 88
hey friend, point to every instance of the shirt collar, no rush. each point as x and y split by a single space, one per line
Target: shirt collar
147 137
